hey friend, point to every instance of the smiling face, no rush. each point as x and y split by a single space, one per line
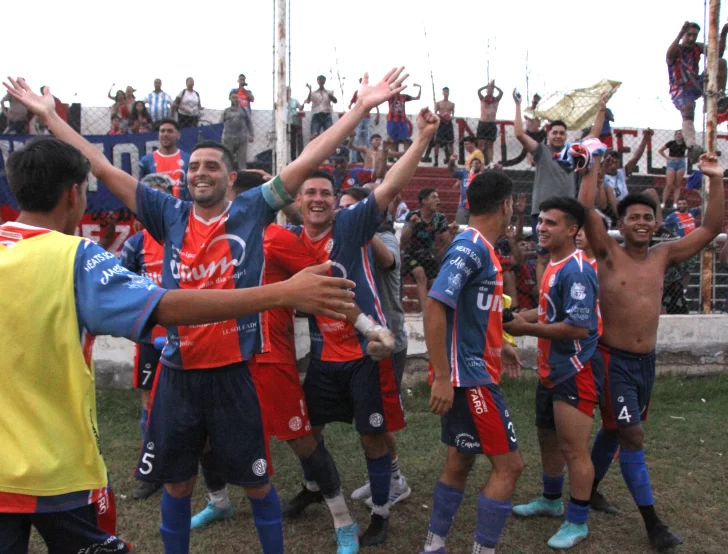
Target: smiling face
208 177
557 137
554 230
682 205
316 200
638 225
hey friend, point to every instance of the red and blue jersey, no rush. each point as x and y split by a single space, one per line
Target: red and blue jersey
144 256
353 177
396 107
347 245
568 293
682 224
225 252
525 281
174 166
470 284
686 68
465 177
593 263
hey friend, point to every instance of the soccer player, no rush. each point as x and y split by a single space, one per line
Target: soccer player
342 382
464 336
168 159
211 244
66 291
631 302
571 376
144 256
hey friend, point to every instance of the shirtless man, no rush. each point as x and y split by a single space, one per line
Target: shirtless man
631 302
445 136
487 129
375 156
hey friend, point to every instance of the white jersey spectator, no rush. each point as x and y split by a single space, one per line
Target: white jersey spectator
159 103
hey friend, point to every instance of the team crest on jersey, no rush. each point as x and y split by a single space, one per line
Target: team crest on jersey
259 467
454 282
329 246
376 420
552 280
578 291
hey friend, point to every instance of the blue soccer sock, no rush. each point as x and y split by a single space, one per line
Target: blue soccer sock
175 529
577 511
602 455
267 517
380 479
492 517
634 471
445 504
552 486
143 421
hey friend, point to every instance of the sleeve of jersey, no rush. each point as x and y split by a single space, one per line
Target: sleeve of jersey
461 263
579 294
145 166
289 253
110 300
392 244
130 253
155 210
695 212
360 222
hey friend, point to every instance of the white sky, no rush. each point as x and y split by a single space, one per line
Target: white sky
81 47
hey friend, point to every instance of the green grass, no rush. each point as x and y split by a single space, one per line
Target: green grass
686 449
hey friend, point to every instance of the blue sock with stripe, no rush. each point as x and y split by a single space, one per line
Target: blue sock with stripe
143 421
380 478
634 471
552 486
492 518
175 529
577 511
602 455
268 521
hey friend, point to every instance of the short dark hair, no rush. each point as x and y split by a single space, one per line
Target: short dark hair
635 199
247 180
41 172
169 122
357 193
487 191
685 198
611 154
241 75
227 157
558 123
114 116
469 138
323 174
445 88
424 194
375 135
321 77
570 207
694 25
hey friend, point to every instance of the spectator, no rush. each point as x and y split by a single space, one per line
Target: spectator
464 177
321 109
120 108
160 104
344 176
508 253
419 237
675 169
606 134
472 151
168 159
16 114
116 128
398 209
188 105
375 156
397 128
295 129
245 96
237 131
140 121
130 98
533 124
487 129
682 221
525 273
445 136
615 178
361 135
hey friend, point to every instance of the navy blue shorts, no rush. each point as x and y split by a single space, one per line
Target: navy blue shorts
146 360
363 391
68 532
582 391
188 407
629 379
479 422
398 130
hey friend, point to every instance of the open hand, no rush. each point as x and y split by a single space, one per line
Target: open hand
42 106
427 123
521 203
312 292
371 96
511 361
441 397
603 99
709 166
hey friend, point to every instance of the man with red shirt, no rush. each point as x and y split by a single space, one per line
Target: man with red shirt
168 159
245 96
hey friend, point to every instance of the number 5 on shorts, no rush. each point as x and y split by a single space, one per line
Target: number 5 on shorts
146 463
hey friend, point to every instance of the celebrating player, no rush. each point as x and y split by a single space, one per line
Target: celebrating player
211 243
631 305
566 323
464 336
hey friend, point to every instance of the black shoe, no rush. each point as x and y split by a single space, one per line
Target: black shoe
301 501
376 533
600 504
145 490
661 538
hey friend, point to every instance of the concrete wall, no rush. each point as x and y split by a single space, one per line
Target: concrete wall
685 344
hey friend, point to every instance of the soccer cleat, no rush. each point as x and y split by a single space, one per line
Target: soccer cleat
661 538
398 491
145 490
540 507
377 531
301 501
363 492
347 539
210 515
599 503
568 535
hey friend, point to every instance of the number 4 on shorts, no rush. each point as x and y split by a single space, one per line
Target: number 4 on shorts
624 414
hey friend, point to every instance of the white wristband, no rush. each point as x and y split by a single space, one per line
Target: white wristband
364 324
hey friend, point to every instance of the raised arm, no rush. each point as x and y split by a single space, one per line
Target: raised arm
672 50
528 143
402 172
316 152
686 247
480 92
723 256
721 42
308 98
500 92
596 129
596 233
332 97
383 256
419 92
520 209
120 183
634 160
